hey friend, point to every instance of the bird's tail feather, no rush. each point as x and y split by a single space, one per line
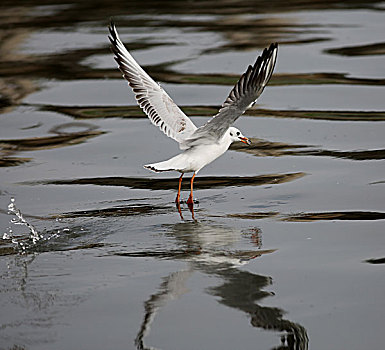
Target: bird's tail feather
176 163
154 168
160 167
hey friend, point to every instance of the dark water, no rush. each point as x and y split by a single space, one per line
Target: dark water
287 249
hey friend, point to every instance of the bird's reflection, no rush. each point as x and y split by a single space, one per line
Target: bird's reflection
212 253
190 207
173 287
242 290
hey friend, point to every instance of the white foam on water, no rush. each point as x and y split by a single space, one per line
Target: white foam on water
21 242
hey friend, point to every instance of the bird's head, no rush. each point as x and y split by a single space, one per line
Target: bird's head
236 135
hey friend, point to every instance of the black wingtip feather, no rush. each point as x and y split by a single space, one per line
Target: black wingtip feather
113 36
111 27
244 93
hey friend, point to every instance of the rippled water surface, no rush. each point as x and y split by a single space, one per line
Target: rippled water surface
287 247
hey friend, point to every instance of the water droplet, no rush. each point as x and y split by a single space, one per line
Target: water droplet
18 219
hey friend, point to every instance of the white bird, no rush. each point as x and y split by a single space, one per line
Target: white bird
200 145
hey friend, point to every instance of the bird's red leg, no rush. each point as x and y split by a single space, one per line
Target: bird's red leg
179 210
177 199
190 198
191 208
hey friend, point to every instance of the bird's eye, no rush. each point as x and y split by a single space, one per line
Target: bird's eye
231 134
238 133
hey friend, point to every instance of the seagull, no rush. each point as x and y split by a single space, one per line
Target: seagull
201 145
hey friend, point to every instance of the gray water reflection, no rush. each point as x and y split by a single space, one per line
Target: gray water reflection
207 251
71 153
170 183
206 247
240 290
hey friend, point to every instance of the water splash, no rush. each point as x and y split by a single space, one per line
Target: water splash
21 242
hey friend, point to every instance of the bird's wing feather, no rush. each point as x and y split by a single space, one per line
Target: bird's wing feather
243 95
155 102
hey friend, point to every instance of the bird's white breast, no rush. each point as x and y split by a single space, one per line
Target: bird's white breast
199 156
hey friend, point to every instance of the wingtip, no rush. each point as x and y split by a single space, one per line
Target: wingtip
112 30
273 46
112 23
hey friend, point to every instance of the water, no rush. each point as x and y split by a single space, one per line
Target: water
34 236
287 247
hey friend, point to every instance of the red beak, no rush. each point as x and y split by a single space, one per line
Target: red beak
245 140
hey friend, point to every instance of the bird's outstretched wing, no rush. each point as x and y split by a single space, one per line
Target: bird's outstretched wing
159 107
243 95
